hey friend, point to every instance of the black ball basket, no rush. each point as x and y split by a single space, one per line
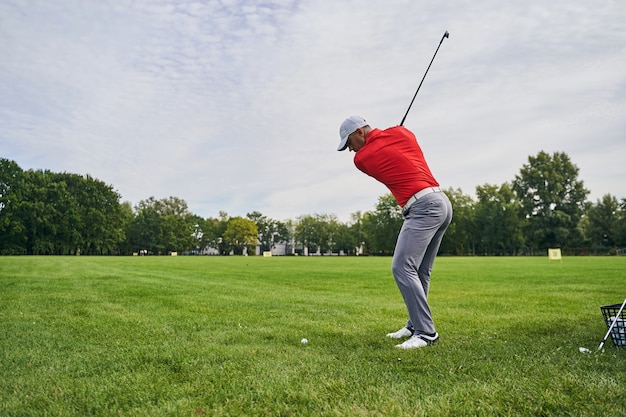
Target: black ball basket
618 332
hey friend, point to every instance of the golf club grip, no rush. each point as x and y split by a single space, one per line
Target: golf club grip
445 35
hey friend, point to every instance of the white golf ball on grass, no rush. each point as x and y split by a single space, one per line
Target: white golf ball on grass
304 341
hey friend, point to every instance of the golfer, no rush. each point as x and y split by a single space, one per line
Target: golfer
393 157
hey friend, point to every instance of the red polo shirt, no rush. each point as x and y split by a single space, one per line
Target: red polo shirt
393 157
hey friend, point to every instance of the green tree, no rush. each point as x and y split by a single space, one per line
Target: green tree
271 232
241 234
306 233
43 212
198 224
462 235
381 227
552 199
163 226
213 230
328 232
603 223
97 222
126 219
345 238
11 226
355 241
497 218
47 214
144 231
621 225
177 233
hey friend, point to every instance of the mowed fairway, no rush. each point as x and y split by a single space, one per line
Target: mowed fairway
220 336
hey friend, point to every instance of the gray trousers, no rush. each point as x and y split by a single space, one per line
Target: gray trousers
425 223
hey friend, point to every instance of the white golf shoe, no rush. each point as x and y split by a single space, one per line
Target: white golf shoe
418 341
402 333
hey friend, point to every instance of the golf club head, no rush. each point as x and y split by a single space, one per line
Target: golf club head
446 35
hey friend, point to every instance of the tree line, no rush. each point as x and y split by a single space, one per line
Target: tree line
544 206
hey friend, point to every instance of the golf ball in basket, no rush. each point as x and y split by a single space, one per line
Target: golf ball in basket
304 341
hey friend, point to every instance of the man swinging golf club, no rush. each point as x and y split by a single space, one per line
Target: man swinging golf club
393 157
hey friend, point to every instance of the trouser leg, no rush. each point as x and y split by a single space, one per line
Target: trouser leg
418 243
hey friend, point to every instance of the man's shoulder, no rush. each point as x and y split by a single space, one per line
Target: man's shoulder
398 130
390 135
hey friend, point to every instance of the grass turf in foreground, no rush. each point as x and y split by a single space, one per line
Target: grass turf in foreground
185 336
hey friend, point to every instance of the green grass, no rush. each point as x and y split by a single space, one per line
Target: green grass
220 336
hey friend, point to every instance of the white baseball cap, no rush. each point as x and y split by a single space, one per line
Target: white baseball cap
348 127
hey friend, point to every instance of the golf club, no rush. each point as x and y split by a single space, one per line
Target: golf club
617 317
445 35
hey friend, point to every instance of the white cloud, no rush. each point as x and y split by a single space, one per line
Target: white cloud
235 105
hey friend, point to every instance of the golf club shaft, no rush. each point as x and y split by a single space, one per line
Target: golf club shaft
617 317
445 35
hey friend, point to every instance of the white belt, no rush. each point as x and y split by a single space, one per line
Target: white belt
419 195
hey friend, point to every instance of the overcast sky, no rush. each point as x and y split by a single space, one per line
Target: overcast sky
235 105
